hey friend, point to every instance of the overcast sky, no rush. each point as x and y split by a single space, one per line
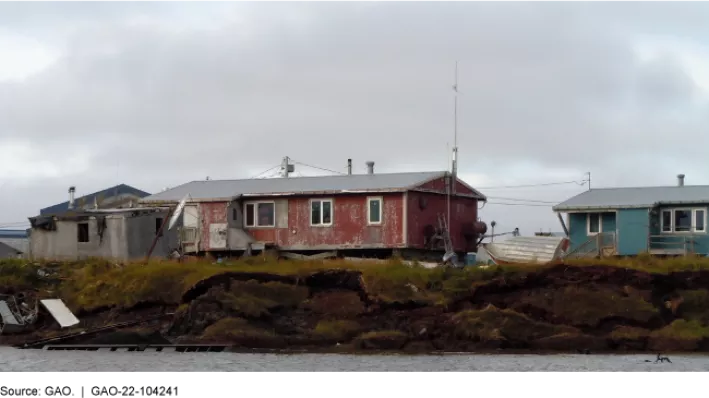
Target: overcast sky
158 94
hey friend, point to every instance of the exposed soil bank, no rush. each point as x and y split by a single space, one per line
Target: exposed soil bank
399 309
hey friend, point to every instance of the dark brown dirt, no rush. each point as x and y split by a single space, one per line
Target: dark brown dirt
563 308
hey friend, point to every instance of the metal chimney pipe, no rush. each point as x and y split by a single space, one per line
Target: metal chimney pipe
349 167
680 180
71 197
370 167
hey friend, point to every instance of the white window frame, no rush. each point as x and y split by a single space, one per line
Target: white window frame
693 227
588 223
381 210
255 214
332 212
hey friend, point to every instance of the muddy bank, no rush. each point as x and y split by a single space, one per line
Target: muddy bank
557 309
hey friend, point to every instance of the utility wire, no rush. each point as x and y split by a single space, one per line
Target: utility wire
12 223
15 224
317 167
519 204
536 185
265 171
523 200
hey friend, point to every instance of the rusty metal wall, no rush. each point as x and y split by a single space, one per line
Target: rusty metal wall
349 228
440 186
423 209
212 213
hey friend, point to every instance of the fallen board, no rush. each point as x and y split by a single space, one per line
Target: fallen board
60 312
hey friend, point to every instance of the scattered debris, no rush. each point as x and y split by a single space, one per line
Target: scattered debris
16 313
60 312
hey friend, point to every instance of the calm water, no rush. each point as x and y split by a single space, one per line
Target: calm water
37 360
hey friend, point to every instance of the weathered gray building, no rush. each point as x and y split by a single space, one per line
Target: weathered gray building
120 234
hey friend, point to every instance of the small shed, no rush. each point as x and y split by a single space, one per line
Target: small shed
527 249
121 234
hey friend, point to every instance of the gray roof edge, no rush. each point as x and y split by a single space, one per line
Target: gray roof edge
439 174
561 207
610 207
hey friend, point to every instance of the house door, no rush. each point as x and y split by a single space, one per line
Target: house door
217 236
190 229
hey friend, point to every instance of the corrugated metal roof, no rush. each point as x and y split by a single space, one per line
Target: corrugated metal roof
225 189
640 197
527 249
7 251
121 189
19 244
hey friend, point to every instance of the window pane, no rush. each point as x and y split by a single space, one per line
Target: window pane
666 221
315 212
699 220
374 209
327 212
250 215
594 223
266 216
683 220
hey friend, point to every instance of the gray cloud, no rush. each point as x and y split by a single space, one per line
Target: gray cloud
555 85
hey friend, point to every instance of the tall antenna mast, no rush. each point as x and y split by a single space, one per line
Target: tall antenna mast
454 168
453 179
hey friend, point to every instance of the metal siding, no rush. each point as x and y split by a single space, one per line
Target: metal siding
463 210
633 228
578 230
349 228
439 185
212 213
608 223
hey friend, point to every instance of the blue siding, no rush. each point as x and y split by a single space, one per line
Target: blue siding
578 227
577 230
608 222
121 189
633 227
633 230
701 240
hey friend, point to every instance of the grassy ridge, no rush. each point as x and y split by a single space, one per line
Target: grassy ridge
441 303
91 284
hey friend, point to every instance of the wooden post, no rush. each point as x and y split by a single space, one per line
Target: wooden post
158 234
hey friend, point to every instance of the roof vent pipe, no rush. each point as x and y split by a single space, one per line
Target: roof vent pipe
370 167
680 180
349 167
71 197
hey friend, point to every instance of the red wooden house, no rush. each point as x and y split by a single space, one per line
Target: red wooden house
367 214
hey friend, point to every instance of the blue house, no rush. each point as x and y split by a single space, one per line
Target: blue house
110 197
670 220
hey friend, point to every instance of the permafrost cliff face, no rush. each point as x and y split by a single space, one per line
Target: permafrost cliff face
559 308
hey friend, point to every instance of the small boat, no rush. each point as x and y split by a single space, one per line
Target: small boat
527 249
